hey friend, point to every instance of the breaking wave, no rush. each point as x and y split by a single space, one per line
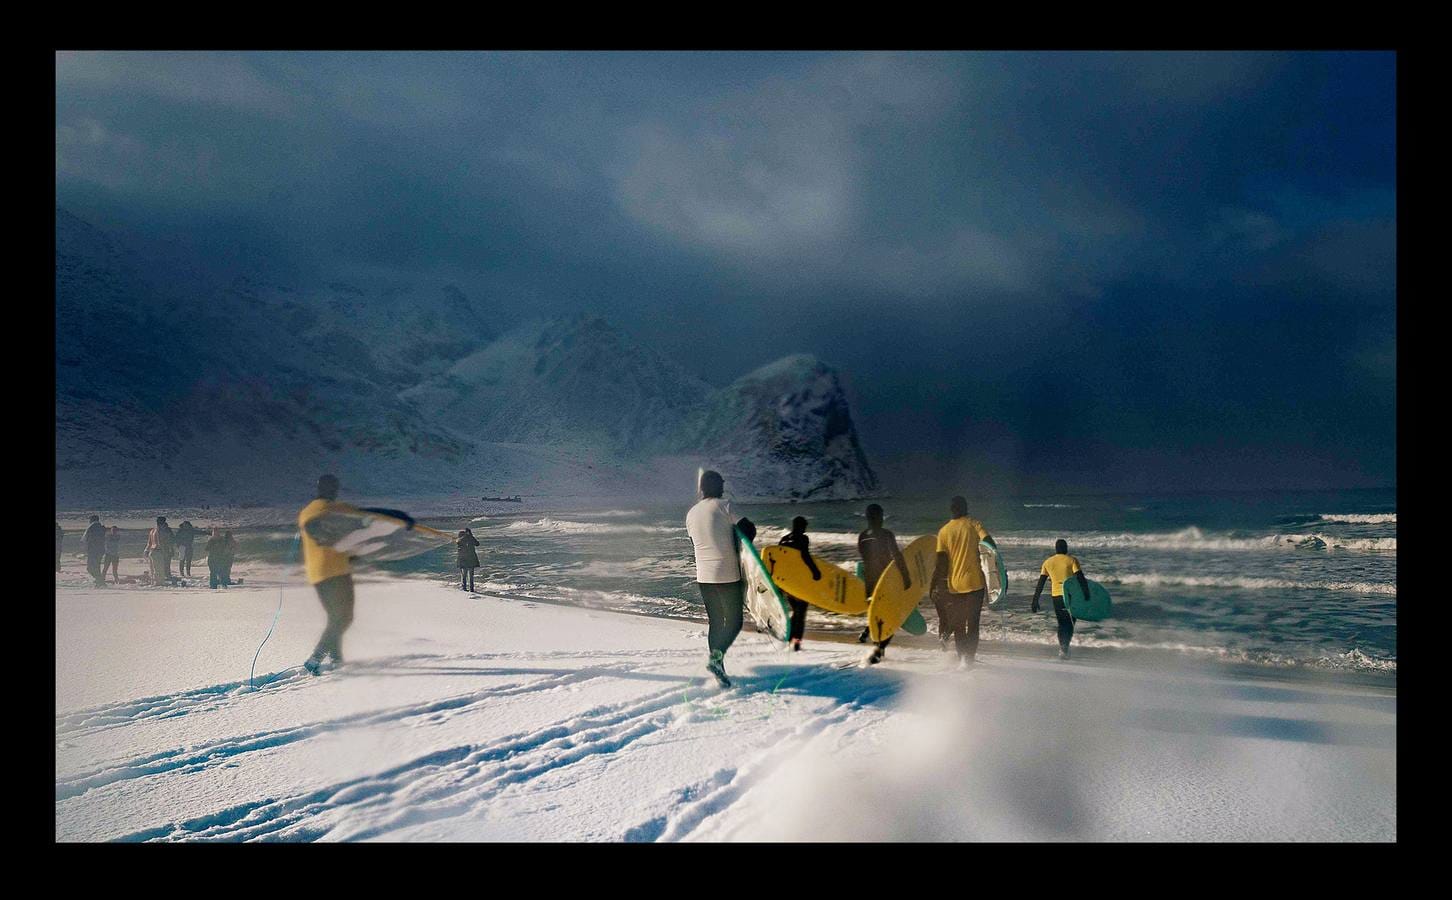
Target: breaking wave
1155 579
1193 538
1350 519
562 526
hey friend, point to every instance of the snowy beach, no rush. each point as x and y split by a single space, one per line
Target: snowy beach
489 717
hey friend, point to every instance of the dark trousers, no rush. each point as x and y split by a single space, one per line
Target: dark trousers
93 565
184 560
799 619
466 578
724 604
336 595
959 615
1066 623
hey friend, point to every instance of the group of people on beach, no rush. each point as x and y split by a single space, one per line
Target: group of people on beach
957 589
163 544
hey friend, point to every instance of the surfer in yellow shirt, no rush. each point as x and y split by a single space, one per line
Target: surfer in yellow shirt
1058 569
958 588
331 573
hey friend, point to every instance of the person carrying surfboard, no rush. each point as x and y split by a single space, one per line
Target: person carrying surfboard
331 575
878 548
958 588
1058 568
797 539
718 568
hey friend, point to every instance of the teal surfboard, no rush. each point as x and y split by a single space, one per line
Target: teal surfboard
1092 608
915 623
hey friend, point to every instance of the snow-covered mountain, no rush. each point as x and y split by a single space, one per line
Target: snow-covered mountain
787 429
174 391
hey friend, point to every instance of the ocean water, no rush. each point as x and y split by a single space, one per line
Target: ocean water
1288 579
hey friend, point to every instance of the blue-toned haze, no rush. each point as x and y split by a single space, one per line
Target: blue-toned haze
1033 271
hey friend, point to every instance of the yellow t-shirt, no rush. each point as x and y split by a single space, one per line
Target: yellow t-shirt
319 562
959 539
1059 567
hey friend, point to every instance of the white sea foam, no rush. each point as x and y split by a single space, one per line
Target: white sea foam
1155 579
1357 519
1193 539
562 526
1049 506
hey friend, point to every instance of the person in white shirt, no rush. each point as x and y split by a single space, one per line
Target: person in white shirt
718 568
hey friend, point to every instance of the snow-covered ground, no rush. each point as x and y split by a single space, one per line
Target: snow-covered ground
462 717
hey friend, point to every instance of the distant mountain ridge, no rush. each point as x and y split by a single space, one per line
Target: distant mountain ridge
242 392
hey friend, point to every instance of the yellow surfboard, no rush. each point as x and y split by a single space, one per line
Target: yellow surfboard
838 591
891 603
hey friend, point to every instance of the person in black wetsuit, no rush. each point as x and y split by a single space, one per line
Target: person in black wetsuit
798 539
878 548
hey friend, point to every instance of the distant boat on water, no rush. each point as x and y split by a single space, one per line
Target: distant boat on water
514 499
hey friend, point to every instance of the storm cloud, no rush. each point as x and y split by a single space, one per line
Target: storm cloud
1037 271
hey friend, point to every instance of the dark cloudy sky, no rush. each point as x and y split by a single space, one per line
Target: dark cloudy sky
1042 271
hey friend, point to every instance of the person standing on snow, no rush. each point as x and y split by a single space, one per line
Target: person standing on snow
718 569
330 573
216 549
111 560
185 534
160 542
95 542
468 559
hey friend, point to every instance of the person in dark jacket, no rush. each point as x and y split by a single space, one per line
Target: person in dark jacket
798 539
95 541
468 559
185 534
60 534
216 551
111 561
229 556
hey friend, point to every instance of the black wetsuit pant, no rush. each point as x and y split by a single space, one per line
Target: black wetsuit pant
184 559
724 604
336 595
93 566
959 615
799 618
466 578
1066 623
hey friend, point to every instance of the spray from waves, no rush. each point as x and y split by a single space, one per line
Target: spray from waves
562 526
1194 539
770 534
1350 519
1154 579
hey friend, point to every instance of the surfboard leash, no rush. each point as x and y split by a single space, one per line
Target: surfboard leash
296 547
